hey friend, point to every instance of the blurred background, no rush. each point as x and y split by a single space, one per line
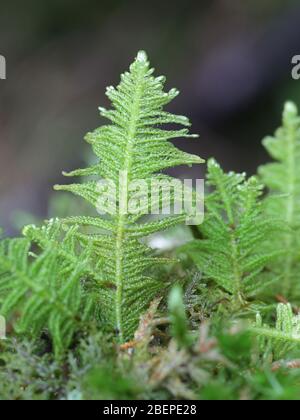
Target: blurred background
230 59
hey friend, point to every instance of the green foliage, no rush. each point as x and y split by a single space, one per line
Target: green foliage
26 375
96 373
178 317
132 147
231 251
69 287
43 291
283 201
282 339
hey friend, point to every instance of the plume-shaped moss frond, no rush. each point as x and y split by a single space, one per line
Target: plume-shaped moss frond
283 201
132 147
231 252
